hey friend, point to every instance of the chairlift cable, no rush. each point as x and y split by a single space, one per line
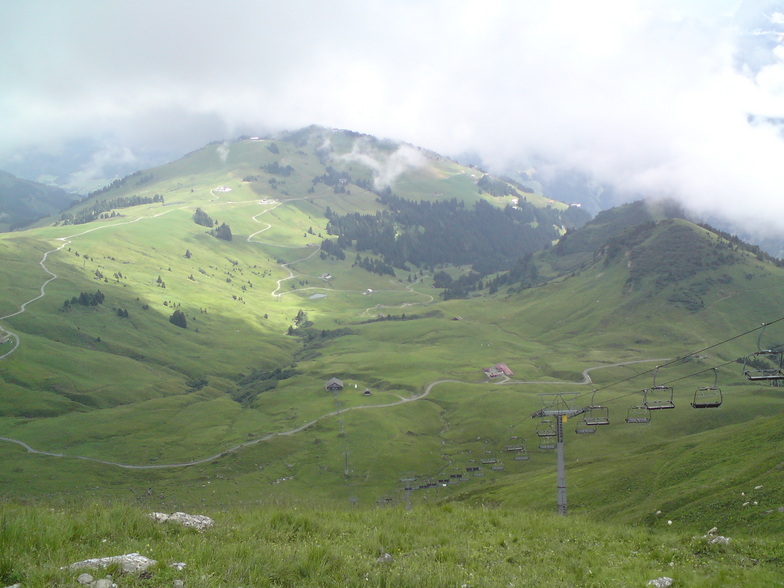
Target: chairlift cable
672 362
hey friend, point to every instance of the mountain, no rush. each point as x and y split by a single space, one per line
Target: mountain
23 202
176 331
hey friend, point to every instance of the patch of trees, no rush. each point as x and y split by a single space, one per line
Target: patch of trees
202 218
737 243
179 319
279 170
259 381
300 322
459 288
222 232
121 181
312 339
427 234
675 253
329 247
100 208
402 317
522 275
332 177
85 299
495 187
375 266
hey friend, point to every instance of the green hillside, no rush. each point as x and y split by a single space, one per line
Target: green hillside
23 202
182 364
431 547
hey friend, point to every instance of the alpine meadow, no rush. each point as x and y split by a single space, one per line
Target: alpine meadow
340 347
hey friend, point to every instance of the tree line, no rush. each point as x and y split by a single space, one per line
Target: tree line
428 234
100 208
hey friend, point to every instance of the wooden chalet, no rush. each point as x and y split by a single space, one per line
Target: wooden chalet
333 385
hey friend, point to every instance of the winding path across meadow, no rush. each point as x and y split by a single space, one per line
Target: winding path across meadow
425 394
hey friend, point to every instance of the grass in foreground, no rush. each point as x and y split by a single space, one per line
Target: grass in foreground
449 545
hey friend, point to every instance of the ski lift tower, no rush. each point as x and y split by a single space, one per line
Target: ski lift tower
559 405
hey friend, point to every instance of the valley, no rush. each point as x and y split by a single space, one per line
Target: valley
113 400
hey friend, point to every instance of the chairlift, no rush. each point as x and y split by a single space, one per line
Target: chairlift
596 415
658 397
515 444
764 364
517 447
708 396
638 415
546 428
583 428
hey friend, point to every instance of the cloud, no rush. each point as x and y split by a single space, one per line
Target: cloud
223 151
651 97
386 167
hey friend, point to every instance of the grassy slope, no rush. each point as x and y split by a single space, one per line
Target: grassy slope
88 383
278 545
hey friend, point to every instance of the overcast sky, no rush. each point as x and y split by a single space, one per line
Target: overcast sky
654 97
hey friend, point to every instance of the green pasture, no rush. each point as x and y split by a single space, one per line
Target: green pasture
87 382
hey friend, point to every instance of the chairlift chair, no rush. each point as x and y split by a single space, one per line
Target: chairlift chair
515 447
638 415
597 416
658 397
764 364
708 396
583 428
546 428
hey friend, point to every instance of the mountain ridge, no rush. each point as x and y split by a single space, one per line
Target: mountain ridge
23 202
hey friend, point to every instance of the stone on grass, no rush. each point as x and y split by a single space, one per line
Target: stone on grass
385 558
129 563
199 522
662 582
